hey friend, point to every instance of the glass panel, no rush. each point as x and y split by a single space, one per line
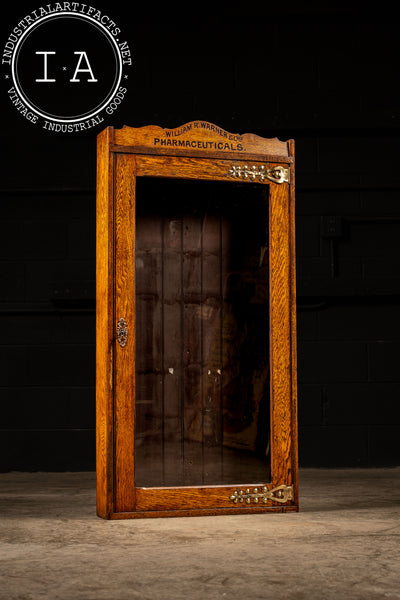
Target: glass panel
202 327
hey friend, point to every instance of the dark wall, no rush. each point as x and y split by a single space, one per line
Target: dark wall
325 76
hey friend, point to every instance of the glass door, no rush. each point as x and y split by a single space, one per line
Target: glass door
202 333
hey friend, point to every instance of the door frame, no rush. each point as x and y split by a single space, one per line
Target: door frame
196 150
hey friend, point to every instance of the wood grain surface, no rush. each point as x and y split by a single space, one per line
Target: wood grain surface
205 512
280 334
124 367
194 498
104 326
199 137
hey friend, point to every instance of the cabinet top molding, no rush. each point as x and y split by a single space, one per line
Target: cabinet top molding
199 138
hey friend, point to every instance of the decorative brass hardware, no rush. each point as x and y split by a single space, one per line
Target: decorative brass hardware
282 494
275 174
122 332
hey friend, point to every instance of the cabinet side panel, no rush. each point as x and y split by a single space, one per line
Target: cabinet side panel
124 373
104 333
293 305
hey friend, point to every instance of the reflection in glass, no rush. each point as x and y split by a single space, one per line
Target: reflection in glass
202 333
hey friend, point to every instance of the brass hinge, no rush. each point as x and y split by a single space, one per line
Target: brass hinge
282 494
122 332
276 174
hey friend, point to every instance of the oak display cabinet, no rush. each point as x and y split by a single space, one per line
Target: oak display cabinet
196 323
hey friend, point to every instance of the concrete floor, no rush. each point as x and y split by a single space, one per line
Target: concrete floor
344 544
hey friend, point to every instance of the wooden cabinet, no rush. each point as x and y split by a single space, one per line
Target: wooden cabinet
196 325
